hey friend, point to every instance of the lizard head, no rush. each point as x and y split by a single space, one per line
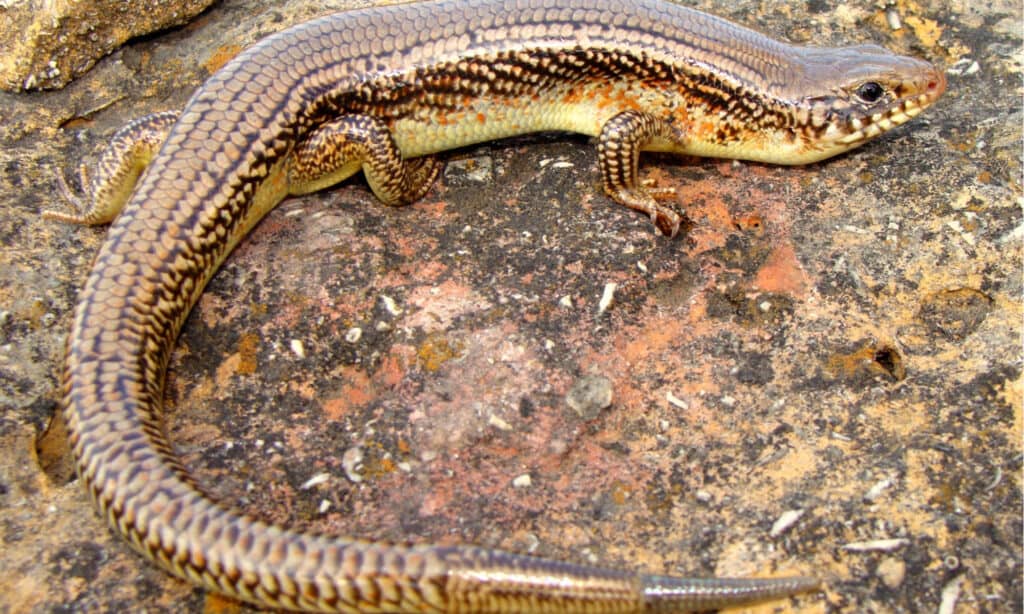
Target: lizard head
848 96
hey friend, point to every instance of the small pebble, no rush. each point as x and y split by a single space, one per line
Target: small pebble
877 545
876 491
317 479
352 462
893 17
785 521
498 423
607 296
676 401
950 595
964 66
390 305
474 171
589 395
892 572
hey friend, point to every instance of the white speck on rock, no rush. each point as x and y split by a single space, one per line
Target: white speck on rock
785 521
676 401
876 491
316 480
877 545
352 462
498 423
607 296
390 305
950 595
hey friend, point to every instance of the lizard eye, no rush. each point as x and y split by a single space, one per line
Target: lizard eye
870 92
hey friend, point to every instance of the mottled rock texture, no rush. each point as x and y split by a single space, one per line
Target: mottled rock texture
44 45
837 344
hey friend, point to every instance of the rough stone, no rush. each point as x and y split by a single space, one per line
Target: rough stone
819 277
44 45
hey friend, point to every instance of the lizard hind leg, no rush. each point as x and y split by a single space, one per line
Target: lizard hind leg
340 148
117 171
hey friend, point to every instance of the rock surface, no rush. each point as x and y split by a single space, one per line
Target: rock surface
44 45
842 339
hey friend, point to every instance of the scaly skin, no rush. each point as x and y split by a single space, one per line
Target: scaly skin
370 90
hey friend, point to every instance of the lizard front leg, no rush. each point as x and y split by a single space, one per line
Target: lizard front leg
618 153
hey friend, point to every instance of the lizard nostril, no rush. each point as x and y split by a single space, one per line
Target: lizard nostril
937 84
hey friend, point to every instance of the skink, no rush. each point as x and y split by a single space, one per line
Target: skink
378 91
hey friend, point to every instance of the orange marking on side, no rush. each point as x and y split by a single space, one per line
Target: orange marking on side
277 183
571 97
627 102
444 119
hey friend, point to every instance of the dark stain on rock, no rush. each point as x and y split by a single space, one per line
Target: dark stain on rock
526 407
989 397
79 559
755 369
756 309
745 252
955 314
678 290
